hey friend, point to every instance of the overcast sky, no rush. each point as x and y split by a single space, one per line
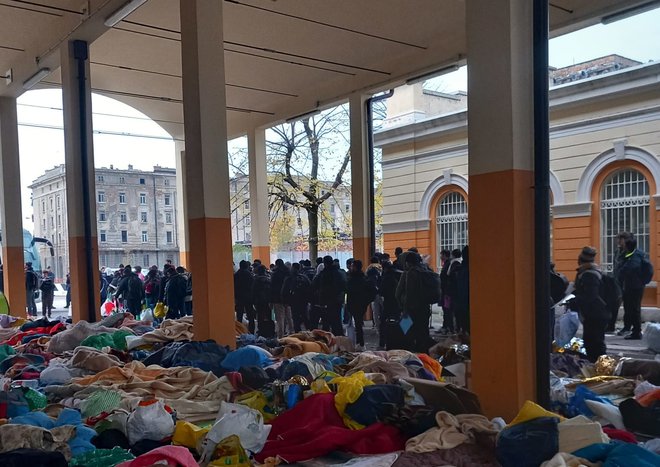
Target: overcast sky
43 148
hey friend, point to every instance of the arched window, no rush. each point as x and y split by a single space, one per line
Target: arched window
624 207
452 222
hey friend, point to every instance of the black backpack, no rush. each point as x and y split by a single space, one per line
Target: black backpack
135 286
430 286
647 271
610 292
558 286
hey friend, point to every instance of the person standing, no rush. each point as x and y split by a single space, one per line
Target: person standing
175 294
632 283
447 315
152 287
131 290
47 288
462 309
31 287
359 293
374 273
261 298
410 295
330 286
283 317
243 294
391 309
296 293
398 263
590 305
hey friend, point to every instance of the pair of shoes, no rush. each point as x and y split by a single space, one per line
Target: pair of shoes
623 332
633 337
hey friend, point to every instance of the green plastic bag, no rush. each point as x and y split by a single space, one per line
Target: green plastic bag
101 458
35 399
4 305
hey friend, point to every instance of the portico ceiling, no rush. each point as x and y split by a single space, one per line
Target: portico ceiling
283 57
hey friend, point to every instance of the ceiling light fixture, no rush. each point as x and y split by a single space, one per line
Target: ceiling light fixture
431 74
35 78
123 12
628 12
302 116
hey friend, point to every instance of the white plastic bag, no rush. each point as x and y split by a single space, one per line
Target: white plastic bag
565 328
652 336
149 421
108 308
239 420
147 315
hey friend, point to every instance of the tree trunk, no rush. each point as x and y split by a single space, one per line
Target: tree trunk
313 238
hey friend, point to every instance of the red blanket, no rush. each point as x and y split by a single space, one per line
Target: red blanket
314 428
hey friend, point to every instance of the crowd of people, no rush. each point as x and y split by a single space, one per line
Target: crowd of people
285 298
134 291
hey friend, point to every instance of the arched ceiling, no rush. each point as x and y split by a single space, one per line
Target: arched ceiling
283 58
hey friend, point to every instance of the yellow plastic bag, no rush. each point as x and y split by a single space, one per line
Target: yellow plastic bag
530 411
349 389
230 452
159 310
189 435
319 386
257 400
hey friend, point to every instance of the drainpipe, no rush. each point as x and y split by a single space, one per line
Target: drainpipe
541 202
155 222
372 178
81 55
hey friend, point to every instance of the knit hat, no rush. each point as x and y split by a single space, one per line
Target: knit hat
587 255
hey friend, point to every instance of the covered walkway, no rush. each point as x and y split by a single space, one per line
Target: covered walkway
209 70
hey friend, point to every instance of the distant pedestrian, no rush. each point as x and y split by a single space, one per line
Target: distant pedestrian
243 279
47 288
31 287
631 278
359 293
131 290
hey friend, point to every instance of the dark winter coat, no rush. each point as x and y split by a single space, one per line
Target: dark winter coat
388 285
261 287
330 284
128 292
297 289
359 292
277 281
588 300
175 290
47 286
630 272
243 286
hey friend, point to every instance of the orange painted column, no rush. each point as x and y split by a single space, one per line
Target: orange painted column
361 201
207 170
501 209
259 217
11 224
83 245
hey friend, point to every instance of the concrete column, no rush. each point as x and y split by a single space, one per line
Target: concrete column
11 215
500 131
207 169
80 181
362 203
260 222
181 206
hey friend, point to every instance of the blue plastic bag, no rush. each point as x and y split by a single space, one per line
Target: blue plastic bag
566 327
577 403
406 323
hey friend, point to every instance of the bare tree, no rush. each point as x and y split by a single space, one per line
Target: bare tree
302 156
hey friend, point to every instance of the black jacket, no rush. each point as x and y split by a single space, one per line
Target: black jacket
277 281
261 290
330 284
629 273
175 289
243 285
47 286
359 292
128 292
388 284
297 289
588 300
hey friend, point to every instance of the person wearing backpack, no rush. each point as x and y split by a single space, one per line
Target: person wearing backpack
296 292
411 297
152 287
175 294
261 298
131 290
633 275
589 303
330 287
31 287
